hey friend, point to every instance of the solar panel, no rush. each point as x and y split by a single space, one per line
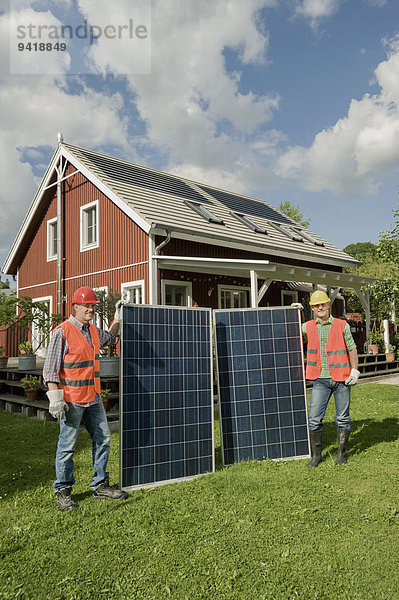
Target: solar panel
262 394
239 204
167 401
153 180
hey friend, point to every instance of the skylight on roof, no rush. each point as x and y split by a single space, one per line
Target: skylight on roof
247 221
204 212
288 232
309 237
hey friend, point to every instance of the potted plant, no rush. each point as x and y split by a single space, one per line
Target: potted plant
31 385
3 358
376 340
390 354
105 397
109 359
36 322
26 357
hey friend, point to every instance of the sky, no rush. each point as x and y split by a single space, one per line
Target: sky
277 99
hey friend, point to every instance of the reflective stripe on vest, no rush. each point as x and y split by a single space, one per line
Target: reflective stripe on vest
80 370
336 351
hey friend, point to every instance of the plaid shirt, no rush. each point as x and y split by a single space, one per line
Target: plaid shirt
58 348
323 329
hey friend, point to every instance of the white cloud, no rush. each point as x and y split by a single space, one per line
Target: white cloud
194 108
351 157
32 110
314 10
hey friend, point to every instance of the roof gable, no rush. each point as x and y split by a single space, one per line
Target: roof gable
158 201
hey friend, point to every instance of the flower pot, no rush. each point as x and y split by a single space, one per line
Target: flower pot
109 366
3 362
27 362
31 395
389 356
373 348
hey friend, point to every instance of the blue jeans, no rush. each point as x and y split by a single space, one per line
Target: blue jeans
95 421
321 393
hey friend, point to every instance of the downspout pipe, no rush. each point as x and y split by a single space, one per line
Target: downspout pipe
153 265
164 242
59 242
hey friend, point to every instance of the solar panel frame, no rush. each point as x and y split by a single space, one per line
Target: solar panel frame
252 425
164 418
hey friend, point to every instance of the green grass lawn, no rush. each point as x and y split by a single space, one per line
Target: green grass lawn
274 530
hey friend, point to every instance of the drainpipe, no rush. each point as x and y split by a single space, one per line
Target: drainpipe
59 246
153 265
59 225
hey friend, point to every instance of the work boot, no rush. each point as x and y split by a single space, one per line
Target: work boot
105 492
342 437
64 500
316 448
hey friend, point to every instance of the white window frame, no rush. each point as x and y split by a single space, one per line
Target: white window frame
50 239
289 293
84 246
234 288
42 351
137 285
187 284
96 321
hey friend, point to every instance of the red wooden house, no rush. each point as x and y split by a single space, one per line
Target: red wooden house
110 224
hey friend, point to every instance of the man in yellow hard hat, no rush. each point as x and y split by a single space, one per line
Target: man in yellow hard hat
332 364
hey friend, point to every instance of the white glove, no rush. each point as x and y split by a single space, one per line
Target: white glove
119 304
57 406
297 305
353 377
118 310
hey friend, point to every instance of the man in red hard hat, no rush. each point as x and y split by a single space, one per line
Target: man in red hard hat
332 363
72 374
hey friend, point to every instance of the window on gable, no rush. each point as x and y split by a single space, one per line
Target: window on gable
204 212
293 235
308 237
89 226
52 239
247 221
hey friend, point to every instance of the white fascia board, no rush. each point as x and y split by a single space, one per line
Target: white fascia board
31 210
106 191
200 237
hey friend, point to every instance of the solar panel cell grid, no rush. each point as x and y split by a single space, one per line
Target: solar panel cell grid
136 175
167 406
247 206
261 384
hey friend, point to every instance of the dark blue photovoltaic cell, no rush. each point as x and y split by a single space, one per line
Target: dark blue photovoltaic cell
247 206
262 393
167 405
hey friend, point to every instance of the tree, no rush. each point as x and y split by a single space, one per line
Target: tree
362 251
293 212
380 261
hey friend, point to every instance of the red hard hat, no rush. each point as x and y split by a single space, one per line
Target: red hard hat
84 295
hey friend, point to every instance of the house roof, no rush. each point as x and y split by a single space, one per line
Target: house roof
160 202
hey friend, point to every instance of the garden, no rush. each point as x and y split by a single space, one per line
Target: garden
255 530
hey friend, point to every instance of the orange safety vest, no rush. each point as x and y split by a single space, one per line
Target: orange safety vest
80 370
336 350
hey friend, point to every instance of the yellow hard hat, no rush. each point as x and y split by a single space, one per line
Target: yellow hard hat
318 297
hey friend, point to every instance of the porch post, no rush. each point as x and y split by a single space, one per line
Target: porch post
152 272
254 289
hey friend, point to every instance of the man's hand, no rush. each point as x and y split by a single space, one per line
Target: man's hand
297 305
353 377
118 306
57 406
